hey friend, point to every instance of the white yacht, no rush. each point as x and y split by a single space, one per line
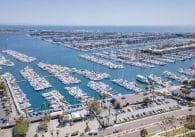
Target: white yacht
142 79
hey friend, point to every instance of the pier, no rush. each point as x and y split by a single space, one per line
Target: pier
77 93
60 72
103 62
19 98
37 82
128 85
5 62
100 87
19 56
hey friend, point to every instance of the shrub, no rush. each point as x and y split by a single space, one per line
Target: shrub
21 128
75 133
190 104
190 126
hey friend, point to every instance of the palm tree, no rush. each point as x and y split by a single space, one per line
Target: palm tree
65 119
147 101
94 106
151 88
7 113
185 83
87 129
185 91
51 133
109 116
25 111
46 118
36 135
116 117
57 132
143 132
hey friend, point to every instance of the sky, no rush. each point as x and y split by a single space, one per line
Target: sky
98 12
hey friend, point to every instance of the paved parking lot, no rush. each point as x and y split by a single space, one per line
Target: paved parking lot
3 107
137 124
140 111
133 112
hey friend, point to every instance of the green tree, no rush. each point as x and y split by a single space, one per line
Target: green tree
185 91
21 127
143 132
46 118
147 101
94 106
192 83
36 135
117 105
185 83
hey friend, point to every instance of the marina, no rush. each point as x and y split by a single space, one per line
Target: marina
128 85
20 100
189 72
36 81
102 62
19 56
55 99
173 76
61 73
77 93
84 40
159 81
144 58
61 66
92 75
100 87
97 68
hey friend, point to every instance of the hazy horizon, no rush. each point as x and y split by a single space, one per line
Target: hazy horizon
98 13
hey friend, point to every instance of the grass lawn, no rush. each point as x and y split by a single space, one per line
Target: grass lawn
190 134
21 127
171 133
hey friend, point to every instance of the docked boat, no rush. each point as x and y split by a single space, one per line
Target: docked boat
77 93
128 85
142 79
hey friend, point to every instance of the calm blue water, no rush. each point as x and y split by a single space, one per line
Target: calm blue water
174 29
50 53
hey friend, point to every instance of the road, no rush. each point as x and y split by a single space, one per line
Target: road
132 129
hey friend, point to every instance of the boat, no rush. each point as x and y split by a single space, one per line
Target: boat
142 79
